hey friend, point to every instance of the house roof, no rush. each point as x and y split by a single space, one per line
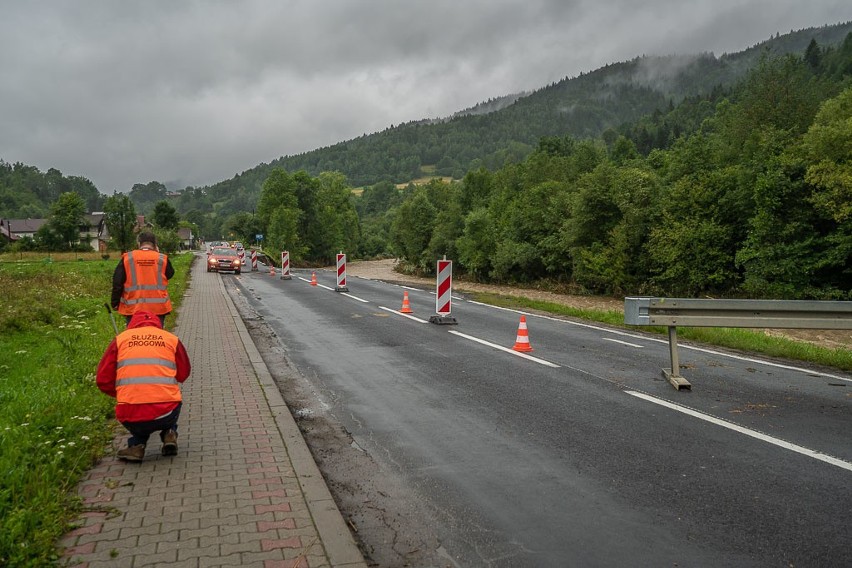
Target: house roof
25 225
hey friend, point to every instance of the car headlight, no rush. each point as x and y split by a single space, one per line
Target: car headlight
212 261
237 262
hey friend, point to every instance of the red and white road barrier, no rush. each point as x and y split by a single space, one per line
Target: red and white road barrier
253 260
341 273
241 254
444 296
285 265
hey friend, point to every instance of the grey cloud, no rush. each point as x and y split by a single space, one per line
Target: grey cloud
127 92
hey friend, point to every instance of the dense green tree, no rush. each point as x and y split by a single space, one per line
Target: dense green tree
412 230
168 240
280 216
476 243
828 150
378 198
47 239
337 218
120 221
244 226
146 196
67 216
165 216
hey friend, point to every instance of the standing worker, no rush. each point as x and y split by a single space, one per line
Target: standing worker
143 368
141 279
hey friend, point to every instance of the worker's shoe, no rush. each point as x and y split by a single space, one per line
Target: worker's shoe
170 443
132 453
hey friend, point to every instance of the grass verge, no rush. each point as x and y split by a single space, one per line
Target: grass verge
55 423
733 338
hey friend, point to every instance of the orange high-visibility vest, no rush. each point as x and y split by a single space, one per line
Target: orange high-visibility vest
146 369
145 285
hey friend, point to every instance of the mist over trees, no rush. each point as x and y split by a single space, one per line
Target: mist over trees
756 201
677 176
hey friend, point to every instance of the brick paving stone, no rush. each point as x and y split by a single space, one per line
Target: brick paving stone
231 497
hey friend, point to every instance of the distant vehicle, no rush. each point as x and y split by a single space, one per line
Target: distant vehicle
216 244
223 260
238 245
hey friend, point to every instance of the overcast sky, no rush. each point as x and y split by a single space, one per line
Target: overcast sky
192 92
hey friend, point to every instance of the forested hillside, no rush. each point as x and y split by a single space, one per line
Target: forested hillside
612 97
27 193
757 201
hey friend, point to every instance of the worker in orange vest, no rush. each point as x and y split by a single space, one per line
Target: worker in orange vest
143 368
141 279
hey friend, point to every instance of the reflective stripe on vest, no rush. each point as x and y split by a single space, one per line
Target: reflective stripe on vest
148 361
145 287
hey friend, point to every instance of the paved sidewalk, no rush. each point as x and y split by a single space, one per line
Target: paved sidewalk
243 490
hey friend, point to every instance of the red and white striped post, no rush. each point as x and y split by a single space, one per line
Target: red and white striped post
285 265
241 254
253 260
444 296
341 273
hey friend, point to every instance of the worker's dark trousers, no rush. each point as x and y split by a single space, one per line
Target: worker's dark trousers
141 431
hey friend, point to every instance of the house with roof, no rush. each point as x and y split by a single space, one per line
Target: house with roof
93 230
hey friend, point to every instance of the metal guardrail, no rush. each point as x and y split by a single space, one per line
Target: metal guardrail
765 314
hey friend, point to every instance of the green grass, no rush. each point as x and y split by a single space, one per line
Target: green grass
739 339
54 422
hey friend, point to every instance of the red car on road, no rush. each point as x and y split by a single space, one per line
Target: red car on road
223 260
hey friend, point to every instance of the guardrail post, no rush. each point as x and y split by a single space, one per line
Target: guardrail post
673 374
706 312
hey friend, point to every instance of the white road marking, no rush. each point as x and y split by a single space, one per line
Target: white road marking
666 342
409 316
623 342
748 432
506 349
353 297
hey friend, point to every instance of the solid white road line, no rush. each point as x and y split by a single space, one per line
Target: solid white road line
742 430
409 316
623 342
353 297
506 349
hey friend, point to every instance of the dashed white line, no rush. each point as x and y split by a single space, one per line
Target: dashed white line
506 349
680 345
623 342
409 316
742 430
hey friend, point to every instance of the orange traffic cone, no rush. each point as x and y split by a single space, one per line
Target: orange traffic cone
272 270
522 343
406 307
313 278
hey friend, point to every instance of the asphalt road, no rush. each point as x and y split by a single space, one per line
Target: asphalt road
581 454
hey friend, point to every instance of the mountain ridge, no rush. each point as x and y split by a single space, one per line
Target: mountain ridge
507 127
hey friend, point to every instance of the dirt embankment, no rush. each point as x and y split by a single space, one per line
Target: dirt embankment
384 270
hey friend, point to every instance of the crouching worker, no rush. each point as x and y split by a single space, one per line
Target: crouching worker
143 368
